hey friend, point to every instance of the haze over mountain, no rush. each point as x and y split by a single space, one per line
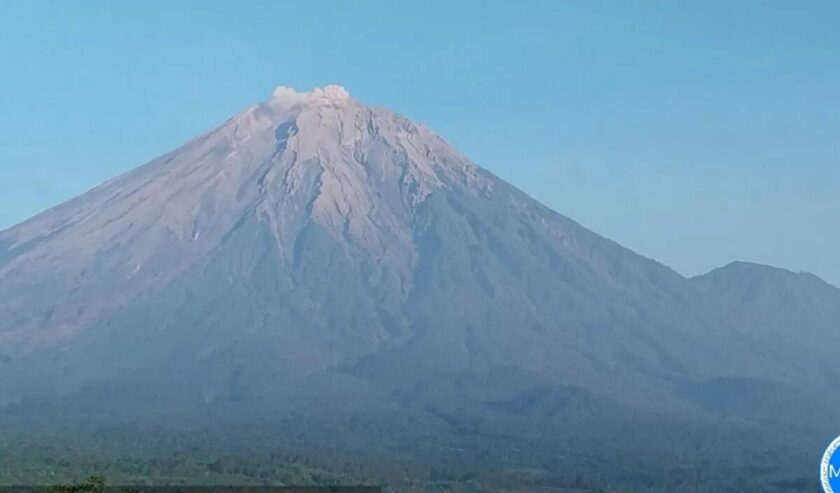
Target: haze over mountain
313 250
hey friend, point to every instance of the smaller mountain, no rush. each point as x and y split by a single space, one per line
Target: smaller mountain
794 315
751 282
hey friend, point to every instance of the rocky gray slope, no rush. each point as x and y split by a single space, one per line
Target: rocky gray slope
313 248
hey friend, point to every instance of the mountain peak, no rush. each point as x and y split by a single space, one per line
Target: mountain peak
740 268
747 281
288 98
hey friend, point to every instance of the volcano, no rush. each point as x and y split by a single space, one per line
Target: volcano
312 250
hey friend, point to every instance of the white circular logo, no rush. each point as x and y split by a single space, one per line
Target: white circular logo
830 468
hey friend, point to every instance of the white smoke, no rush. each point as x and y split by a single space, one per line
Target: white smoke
287 98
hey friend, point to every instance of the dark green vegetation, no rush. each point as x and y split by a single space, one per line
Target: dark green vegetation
93 484
712 460
99 484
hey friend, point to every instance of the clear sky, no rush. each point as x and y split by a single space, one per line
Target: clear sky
695 133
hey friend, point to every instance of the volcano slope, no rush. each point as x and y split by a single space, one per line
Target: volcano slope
319 265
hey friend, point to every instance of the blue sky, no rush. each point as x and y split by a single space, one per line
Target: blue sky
696 134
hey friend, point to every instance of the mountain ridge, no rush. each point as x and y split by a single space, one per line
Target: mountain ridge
760 267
